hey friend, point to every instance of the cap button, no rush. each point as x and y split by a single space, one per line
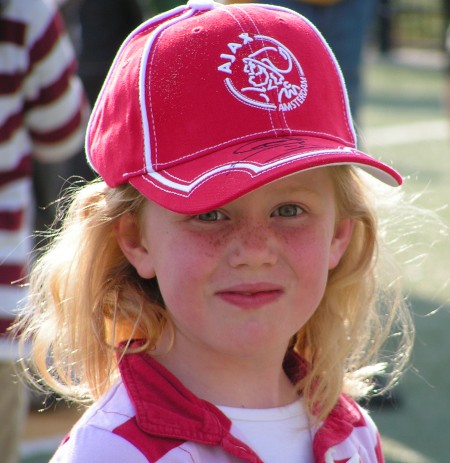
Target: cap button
202 5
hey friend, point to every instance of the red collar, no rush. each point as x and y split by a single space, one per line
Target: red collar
166 408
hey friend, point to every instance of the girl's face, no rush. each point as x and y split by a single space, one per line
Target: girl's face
241 280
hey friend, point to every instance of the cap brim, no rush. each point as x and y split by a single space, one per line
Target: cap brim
214 179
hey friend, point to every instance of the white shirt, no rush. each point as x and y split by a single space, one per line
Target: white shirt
277 435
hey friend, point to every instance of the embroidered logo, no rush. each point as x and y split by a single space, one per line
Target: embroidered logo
262 72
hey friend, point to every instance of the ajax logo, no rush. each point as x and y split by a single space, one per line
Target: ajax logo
262 72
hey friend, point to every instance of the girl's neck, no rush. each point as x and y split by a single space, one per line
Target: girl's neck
244 383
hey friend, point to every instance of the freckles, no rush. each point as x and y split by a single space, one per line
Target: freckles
215 242
255 239
212 242
292 239
253 235
211 245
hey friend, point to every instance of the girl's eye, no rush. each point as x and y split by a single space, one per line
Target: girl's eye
211 216
288 210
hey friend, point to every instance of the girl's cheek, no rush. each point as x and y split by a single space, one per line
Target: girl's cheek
208 243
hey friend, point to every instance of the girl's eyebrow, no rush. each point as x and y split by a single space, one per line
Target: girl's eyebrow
295 188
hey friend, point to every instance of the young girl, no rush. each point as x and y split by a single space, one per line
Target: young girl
217 293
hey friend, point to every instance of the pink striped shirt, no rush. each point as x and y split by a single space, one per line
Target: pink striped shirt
43 112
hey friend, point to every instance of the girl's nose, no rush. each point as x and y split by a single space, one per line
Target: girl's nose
252 245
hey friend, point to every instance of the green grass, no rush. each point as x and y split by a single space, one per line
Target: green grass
418 429
397 93
406 97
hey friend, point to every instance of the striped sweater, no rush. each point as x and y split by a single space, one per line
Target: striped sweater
43 110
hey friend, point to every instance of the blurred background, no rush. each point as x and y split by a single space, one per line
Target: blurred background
404 119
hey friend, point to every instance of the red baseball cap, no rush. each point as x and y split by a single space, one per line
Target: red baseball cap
207 102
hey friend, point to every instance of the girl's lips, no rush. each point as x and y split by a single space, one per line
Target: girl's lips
251 296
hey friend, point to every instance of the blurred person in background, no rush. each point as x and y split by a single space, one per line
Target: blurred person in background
43 114
97 29
344 24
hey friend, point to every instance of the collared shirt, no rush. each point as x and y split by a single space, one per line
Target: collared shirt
150 416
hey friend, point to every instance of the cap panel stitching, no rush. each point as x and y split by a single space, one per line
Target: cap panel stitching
329 52
229 12
154 38
280 114
231 141
189 191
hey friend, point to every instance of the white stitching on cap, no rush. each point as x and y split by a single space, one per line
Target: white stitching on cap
259 33
189 191
156 34
115 63
256 134
248 167
142 80
269 113
249 102
215 147
366 166
345 102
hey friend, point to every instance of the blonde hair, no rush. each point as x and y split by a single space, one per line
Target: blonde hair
361 312
85 297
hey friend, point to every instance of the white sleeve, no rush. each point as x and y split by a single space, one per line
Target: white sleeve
89 443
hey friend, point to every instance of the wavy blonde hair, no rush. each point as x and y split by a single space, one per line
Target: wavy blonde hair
85 297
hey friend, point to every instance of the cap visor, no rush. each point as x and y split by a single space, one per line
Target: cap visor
213 179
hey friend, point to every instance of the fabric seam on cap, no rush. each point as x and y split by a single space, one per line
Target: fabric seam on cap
215 147
344 106
279 114
269 113
154 41
336 67
181 181
132 35
179 192
154 38
252 173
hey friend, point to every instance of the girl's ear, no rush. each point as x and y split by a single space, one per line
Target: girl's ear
340 242
132 246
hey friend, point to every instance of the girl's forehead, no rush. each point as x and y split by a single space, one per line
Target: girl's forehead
314 180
